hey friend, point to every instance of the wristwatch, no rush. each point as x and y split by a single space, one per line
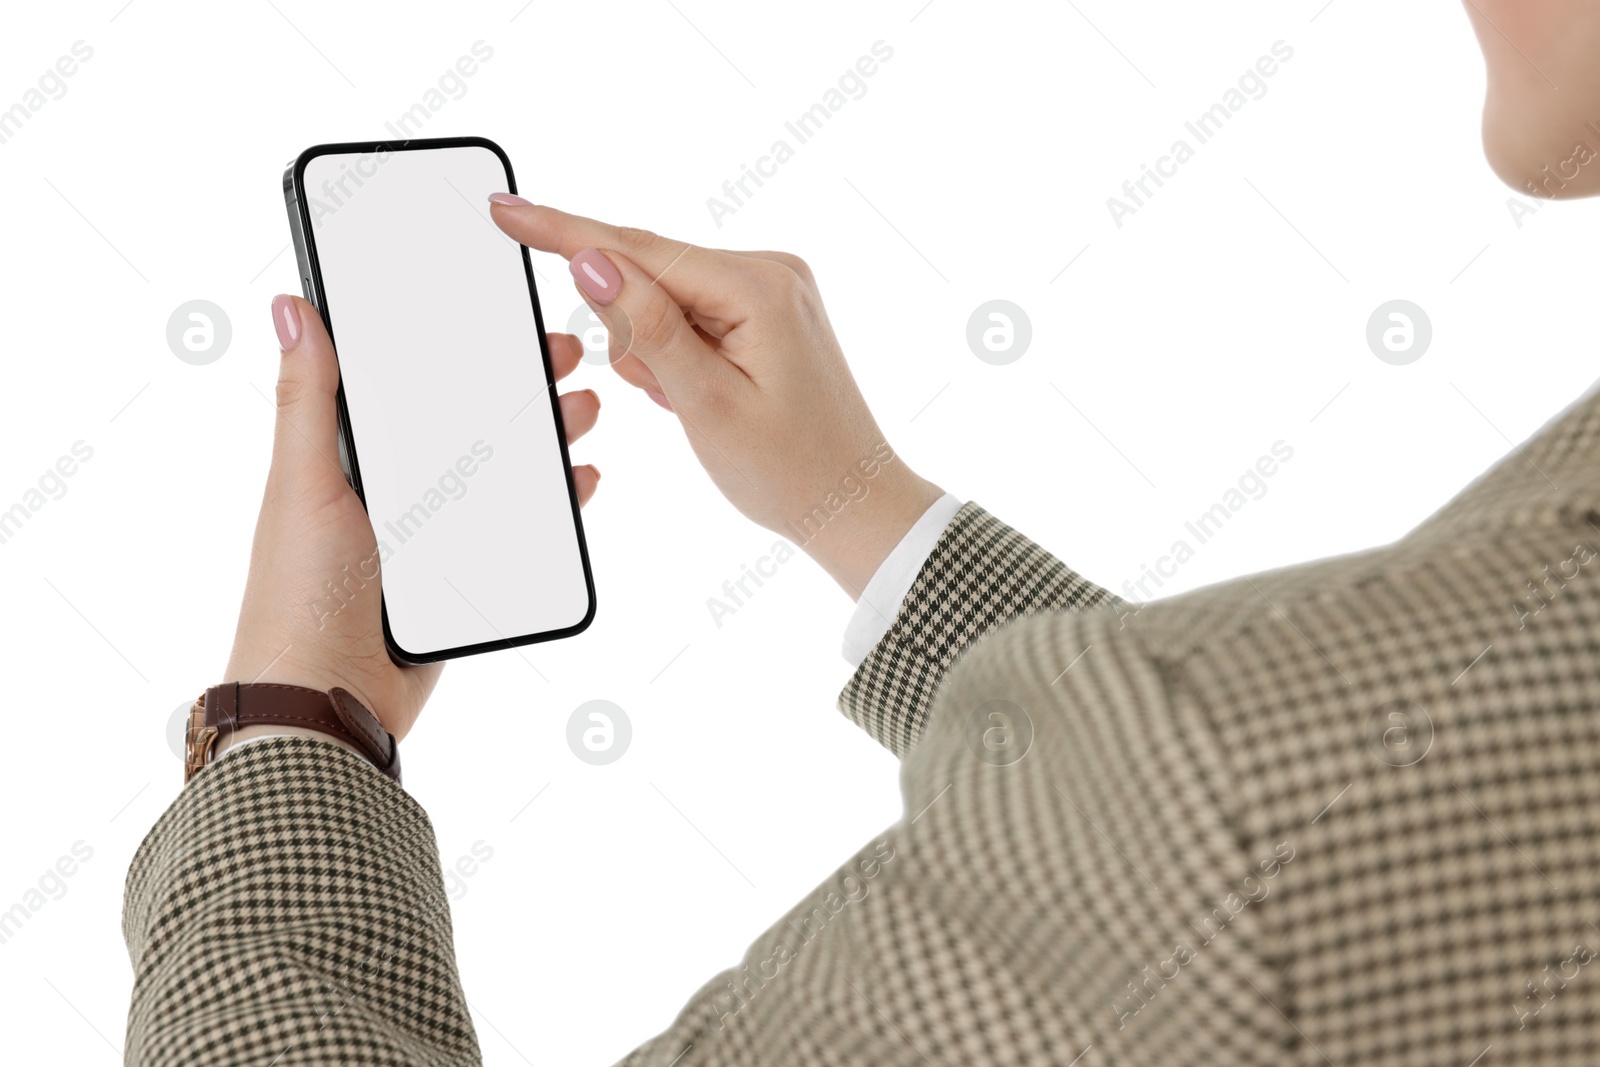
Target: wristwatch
225 708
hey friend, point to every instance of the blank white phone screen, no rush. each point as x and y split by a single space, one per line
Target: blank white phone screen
450 407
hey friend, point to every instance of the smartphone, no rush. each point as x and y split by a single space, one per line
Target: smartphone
449 426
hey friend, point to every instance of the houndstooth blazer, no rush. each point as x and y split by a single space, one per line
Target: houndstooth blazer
1344 813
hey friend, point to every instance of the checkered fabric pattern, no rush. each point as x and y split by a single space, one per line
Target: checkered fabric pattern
1346 813
982 573
289 908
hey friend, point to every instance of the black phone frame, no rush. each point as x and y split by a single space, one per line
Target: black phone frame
311 282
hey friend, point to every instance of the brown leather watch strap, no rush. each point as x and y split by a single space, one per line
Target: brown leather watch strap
227 707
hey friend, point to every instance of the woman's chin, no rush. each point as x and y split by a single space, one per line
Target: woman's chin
1558 162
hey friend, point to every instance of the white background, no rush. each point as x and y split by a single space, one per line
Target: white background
1227 314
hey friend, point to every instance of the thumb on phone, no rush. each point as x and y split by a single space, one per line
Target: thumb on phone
305 443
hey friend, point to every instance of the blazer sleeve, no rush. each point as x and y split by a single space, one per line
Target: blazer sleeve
289 908
981 575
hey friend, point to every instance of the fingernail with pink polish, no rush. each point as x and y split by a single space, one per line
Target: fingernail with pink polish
286 318
596 276
658 398
509 199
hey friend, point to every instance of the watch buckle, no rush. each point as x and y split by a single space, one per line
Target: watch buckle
200 741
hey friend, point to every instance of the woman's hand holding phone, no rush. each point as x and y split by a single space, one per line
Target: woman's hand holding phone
739 346
310 615
736 344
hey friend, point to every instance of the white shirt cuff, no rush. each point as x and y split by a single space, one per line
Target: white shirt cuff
880 601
